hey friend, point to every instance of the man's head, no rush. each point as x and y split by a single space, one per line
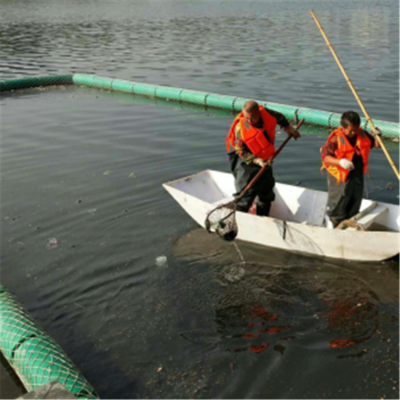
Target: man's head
251 112
350 122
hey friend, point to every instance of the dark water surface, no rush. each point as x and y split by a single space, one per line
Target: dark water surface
85 168
269 50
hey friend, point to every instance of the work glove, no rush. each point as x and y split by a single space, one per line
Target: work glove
293 132
259 161
346 164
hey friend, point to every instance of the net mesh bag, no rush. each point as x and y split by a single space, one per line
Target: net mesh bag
222 220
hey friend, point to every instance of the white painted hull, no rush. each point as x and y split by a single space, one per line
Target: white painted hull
295 219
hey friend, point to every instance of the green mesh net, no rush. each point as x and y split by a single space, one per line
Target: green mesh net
34 356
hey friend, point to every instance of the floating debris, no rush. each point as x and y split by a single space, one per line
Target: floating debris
160 304
107 173
92 211
52 244
389 186
161 261
132 175
279 348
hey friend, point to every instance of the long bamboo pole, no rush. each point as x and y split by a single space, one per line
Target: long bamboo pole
360 103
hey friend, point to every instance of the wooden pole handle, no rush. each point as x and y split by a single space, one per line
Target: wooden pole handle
360 103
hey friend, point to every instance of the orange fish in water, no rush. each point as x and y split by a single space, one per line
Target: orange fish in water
274 329
250 335
341 343
259 348
261 312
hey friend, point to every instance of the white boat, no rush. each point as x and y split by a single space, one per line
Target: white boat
296 221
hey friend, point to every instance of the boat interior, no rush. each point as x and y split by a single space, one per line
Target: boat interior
292 203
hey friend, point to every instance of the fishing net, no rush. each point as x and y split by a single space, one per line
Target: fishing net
222 220
35 357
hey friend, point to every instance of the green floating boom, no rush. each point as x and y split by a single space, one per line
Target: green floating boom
31 82
315 117
235 104
35 357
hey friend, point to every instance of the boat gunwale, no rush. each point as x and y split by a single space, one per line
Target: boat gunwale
187 202
189 177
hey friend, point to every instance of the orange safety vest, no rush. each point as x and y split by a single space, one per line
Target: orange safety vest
254 138
346 150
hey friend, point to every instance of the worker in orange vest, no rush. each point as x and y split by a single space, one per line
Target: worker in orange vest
252 137
345 156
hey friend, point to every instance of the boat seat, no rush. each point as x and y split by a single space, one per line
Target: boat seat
367 220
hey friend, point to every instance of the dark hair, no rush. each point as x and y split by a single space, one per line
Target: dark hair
250 106
350 118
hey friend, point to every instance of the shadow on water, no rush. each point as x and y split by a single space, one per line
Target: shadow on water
104 374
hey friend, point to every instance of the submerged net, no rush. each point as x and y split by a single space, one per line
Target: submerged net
222 220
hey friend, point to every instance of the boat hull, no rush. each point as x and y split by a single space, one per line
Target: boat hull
346 244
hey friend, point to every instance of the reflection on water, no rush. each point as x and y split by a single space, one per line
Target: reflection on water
84 215
276 302
205 46
80 252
